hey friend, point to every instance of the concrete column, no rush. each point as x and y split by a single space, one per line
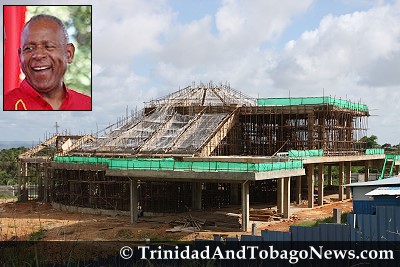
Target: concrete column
279 194
134 200
286 197
321 184
310 183
19 189
23 182
348 179
337 216
329 174
245 207
298 189
46 184
366 171
196 196
341 176
234 194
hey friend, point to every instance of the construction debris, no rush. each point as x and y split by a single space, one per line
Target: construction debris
186 224
264 215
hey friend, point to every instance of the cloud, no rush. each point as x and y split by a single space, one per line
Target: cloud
125 28
142 50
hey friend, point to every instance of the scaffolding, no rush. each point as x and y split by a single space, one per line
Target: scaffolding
191 130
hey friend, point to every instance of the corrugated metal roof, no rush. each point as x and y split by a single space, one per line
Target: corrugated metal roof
385 191
387 181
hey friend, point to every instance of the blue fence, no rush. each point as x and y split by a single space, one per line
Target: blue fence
383 226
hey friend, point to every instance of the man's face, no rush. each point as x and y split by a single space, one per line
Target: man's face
44 55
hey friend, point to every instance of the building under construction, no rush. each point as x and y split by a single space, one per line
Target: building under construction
203 146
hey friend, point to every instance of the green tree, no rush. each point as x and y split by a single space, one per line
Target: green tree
77 20
9 165
370 142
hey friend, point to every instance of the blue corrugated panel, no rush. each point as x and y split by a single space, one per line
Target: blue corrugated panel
363 206
250 238
388 222
334 232
367 226
275 236
232 239
303 233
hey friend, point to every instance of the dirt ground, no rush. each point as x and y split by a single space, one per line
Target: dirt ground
34 220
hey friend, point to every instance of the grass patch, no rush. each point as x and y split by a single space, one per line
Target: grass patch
5 196
38 235
313 223
67 233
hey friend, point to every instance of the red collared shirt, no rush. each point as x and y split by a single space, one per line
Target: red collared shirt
27 98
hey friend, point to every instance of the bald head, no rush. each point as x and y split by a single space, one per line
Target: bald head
48 18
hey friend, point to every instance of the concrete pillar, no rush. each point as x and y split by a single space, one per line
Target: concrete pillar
329 174
196 195
341 176
298 190
279 194
286 197
348 179
245 207
134 200
23 182
46 183
19 189
310 183
234 194
366 171
321 184
337 215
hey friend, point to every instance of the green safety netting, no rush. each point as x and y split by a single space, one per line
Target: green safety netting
305 153
374 151
297 101
169 164
393 157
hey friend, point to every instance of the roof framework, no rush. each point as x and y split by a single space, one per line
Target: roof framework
214 120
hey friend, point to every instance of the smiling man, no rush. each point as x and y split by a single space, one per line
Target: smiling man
44 55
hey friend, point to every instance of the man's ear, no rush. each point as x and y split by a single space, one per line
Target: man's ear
70 50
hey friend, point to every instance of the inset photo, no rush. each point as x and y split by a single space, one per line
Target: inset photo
47 58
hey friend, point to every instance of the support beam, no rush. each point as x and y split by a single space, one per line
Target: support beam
196 195
298 189
220 133
286 197
366 170
348 179
245 207
234 194
134 200
321 168
330 175
341 177
279 194
19 189
310 183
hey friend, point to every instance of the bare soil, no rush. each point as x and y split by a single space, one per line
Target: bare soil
34 220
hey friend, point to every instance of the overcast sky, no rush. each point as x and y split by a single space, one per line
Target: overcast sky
145 49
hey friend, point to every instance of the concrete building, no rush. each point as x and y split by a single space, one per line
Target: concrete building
206 146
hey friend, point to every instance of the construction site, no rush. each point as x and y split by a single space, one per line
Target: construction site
205 146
